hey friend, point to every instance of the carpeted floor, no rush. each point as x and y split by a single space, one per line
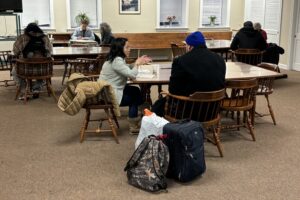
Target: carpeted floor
41 157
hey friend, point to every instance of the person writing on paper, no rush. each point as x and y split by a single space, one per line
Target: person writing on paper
116 72
198 70
83 32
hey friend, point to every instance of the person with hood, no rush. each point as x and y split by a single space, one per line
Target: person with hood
248 38
32 44
198 70
106 35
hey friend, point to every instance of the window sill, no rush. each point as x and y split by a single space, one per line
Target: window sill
73 29
171 28
214 28
45 29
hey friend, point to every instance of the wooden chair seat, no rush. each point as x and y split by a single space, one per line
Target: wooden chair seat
265 88
236 104
101 102
203 107
31 69
241 97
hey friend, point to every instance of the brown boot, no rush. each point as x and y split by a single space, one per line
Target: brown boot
134 125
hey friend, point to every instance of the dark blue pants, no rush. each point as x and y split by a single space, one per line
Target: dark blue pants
132 97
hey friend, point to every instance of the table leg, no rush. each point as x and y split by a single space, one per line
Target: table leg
146 91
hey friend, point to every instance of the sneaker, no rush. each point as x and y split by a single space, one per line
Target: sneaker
22 98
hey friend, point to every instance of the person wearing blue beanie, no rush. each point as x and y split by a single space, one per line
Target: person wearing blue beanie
199 69
195 39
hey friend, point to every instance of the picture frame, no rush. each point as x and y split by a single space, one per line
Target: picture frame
129 7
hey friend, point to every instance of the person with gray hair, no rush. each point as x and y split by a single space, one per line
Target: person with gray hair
257 26
106 35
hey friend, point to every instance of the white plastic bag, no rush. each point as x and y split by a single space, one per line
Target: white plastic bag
151 125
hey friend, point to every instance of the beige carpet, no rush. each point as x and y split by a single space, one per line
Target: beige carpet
41 157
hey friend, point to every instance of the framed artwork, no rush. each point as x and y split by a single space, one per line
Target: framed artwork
130 6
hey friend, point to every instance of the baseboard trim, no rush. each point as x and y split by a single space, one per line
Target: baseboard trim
283 66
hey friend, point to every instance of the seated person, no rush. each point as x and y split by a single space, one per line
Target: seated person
248 38
106 35
116 72
83 32
257 26
197 70
32 44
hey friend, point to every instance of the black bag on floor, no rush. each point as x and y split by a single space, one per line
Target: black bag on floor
148 165
185 142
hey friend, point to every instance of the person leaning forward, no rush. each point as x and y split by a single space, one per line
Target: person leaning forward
83 32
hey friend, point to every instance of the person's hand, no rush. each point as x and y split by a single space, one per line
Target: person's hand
143 60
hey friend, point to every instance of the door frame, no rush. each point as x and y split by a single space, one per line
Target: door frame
294 9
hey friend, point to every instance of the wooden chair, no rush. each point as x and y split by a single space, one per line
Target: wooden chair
265 88
101 102
249 56
86 66
200 106
177 50
6 64
31 69
241 97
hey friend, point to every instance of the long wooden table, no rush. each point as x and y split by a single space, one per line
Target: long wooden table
234 70
62 54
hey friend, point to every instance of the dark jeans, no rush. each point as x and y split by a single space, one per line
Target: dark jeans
132 97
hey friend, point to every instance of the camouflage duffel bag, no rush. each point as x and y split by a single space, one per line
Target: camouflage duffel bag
148 165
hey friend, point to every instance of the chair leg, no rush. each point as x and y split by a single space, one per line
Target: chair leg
50 89
115 118
85 124
216 134
249 125
111 126
270 109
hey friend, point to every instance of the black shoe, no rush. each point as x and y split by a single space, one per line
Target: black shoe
35 95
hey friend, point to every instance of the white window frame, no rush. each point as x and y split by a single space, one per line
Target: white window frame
99 14
52 21
164 28
223 26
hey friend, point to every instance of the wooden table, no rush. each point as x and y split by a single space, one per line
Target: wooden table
234 70
62 54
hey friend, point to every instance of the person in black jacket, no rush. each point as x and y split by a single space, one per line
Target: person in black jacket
248 38
198 70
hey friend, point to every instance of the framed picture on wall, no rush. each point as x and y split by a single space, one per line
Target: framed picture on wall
130 6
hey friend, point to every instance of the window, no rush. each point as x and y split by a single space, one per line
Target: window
268 14
92 8
214 13
172 13
39 11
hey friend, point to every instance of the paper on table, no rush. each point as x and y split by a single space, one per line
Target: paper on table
148 71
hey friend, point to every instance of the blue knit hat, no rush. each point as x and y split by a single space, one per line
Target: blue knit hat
195 39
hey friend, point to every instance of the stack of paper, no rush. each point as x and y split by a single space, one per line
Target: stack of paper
148 71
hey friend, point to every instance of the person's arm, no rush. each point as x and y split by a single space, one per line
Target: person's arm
18 46
76 34
48 46
123 69
89 35
235 42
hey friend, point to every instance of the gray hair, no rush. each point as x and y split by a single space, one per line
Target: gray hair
257 26
105 28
